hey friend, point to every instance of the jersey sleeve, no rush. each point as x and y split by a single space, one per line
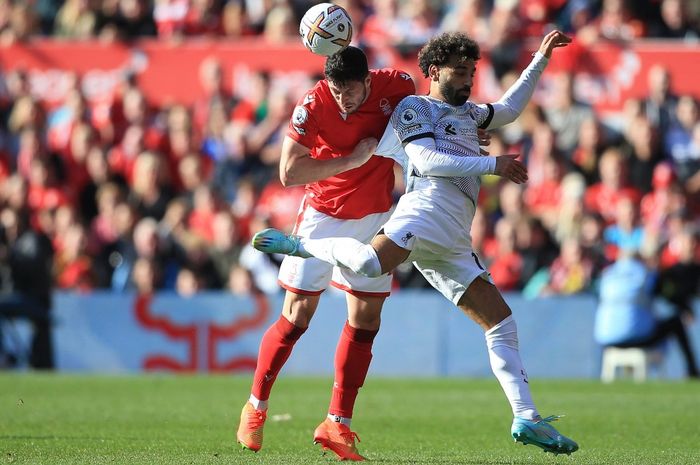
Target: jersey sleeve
413 120
303 125
403 83
483 114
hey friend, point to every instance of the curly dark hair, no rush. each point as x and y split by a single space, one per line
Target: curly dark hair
440 48
350 64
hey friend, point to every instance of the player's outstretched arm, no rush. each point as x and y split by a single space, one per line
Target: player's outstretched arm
297 167
507 166
509 107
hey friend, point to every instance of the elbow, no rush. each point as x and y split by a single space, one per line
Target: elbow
288 180
285 180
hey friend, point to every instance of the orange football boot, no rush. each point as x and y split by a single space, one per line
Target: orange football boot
250 430
338 438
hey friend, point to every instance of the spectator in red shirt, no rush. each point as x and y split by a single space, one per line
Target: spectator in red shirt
204 210
602 197
543 199
506 264
73 265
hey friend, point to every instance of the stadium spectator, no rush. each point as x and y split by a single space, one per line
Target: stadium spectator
565 114
511 201
571 272
75 20
281 25
536 248
73 266
570 211
505 37
468 16
543 199
660 103
201 218
679 284
679 142
617 22
626 233
240 282
625 315
592 141
539 15
187 283
381 27
505 263
144 276
642 148
149 193
591 238
131 19
602 197
29 256
224 250
675 22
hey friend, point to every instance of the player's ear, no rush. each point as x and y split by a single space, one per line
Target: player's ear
434 73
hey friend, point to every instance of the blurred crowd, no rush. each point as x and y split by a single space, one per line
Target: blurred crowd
399 23
167 198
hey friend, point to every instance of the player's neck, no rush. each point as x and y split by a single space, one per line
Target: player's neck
438 96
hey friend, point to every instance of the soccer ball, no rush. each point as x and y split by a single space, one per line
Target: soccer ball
326 29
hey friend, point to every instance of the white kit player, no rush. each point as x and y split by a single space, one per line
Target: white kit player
432 221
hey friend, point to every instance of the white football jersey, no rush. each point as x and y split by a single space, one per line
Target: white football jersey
454 129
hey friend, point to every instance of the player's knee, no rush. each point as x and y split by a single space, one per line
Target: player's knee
367 262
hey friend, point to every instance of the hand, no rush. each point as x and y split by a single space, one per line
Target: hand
507 166
484 138
554 39
363 151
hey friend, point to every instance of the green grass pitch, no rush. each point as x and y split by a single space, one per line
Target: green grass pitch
60 419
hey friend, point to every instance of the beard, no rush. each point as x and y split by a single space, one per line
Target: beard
455 96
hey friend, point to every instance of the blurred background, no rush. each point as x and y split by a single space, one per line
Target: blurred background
139 145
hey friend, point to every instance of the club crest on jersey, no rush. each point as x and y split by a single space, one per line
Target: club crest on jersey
385 106
409 116
405 76
300 116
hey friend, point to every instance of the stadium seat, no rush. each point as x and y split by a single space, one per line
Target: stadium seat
633 360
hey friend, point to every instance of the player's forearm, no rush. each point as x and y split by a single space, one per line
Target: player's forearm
430 162
305 170
513 102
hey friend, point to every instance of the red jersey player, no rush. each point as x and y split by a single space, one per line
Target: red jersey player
329 145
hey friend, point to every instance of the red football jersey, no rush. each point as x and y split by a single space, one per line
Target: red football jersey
318 123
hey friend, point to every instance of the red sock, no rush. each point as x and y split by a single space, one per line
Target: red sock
352 358
275 348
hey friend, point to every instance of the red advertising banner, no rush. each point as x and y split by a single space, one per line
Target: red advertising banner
606 75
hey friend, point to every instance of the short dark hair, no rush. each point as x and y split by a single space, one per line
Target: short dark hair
439 50
350 64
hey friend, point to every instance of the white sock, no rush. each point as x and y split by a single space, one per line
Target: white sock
346 252
502 343
344 420
257 403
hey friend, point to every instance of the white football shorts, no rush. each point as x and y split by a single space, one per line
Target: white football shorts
311 276
433 221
